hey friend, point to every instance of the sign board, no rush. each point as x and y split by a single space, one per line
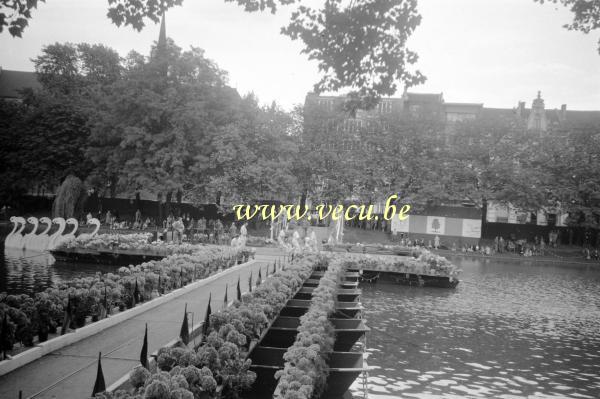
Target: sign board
471 228
400 226
436 225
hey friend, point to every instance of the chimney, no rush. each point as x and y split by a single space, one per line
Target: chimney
563 113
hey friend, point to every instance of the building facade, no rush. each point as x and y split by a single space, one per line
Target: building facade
536 120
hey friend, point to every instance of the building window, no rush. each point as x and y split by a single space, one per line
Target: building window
384 107
533 218
551 219
326 104
415 110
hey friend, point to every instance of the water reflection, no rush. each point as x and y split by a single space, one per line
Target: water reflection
30 272
507 331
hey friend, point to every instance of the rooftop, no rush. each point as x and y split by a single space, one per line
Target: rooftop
12 82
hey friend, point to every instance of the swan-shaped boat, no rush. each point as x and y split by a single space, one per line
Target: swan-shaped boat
71 235
43 238
87 236
11 236
13 239
56 237
28 241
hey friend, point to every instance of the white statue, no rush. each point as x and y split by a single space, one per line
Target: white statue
314 242
296 241
281 240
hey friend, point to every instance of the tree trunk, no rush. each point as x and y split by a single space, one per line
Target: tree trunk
160 213
303 199
179 195
168 204
483 216
113 186
218 199
138 201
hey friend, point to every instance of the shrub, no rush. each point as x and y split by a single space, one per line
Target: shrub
305 369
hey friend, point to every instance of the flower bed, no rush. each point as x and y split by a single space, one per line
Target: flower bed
367 248
94 297
221 360
426 263
305 370
138 242
255 241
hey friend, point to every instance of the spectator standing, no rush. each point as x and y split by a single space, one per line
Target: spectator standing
192 227
178 229
218 230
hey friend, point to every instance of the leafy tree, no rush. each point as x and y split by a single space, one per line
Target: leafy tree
253 156
14 15
15 182
360 46
69 69
45 140
70 197
586 14
571 159
388 153
155 131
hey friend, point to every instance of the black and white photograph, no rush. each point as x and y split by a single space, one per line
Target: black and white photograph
299 199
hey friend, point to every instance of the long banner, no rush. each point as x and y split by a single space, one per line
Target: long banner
438 225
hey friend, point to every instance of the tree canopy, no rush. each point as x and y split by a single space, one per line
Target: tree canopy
586 14
129 124
360 46
430 162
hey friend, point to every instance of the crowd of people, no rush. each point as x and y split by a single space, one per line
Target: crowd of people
179 228
538 247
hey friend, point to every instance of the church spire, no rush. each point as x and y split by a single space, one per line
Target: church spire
162 37
161 47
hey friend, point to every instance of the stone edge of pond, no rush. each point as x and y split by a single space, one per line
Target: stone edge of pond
44 348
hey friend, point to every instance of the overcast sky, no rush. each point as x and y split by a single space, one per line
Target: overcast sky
495 52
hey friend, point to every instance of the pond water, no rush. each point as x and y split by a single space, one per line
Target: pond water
508 330
30 272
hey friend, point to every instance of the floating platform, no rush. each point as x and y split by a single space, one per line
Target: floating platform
343 368
343 310
283 331
348 276
120 257
410 279
368 249
343 294
313 282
